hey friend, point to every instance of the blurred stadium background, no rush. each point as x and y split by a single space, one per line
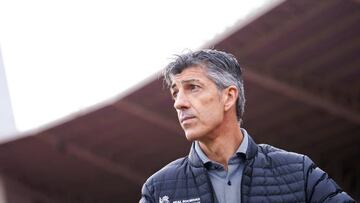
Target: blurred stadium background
302 83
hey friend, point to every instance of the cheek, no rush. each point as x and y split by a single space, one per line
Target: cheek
212 111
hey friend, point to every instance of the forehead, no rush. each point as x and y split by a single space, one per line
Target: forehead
191 74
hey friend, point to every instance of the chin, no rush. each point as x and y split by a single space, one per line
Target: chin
192 135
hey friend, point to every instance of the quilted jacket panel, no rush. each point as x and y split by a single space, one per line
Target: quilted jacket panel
270 175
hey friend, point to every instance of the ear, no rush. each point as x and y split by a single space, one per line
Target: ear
230 95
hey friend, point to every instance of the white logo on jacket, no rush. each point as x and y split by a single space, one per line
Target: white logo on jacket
193 200
164 199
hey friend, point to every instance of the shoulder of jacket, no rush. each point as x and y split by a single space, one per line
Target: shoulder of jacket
279 156
171 171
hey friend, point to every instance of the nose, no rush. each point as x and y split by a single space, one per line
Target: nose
181 101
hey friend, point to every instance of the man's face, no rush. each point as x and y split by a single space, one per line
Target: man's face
198 103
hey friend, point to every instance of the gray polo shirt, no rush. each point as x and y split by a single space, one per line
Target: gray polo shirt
226 184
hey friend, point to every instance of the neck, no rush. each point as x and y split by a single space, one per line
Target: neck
223 143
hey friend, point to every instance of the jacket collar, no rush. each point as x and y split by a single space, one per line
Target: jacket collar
195 160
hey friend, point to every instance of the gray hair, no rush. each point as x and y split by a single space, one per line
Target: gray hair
222 68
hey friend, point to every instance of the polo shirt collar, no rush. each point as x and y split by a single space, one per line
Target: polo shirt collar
241 151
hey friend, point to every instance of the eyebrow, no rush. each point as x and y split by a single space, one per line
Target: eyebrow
186 81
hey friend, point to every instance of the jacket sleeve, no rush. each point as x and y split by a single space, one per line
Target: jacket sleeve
146 195
320 187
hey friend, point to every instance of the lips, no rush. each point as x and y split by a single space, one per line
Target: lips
184 117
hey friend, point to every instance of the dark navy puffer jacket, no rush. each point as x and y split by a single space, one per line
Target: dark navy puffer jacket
270 175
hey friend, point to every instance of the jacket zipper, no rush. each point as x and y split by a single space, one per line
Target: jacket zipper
211 186
241 181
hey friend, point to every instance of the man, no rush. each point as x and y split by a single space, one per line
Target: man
225 164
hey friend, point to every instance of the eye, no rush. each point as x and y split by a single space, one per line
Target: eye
174 94
194 87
